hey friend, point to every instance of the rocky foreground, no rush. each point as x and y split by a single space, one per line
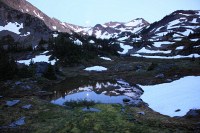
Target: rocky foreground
23 109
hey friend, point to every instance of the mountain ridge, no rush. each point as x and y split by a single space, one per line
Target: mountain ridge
174 27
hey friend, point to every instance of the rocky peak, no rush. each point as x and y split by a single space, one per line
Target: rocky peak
113 24
26 7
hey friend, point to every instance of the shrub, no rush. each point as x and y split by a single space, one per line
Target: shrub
79 103
50 73
152 66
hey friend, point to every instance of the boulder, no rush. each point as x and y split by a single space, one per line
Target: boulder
126 100
161 75
90 110
28 106
141 113
19 122
12 103
18 83
193 113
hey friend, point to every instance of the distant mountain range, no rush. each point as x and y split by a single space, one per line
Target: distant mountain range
27 24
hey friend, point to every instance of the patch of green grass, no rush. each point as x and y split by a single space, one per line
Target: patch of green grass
45 117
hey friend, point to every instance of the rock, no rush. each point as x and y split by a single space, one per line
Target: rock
126 100
169 80
19 122
43 93
193 113
27 87
12 103
161 75
136 103
138 67
28 106
175 76
178 110
18 83
141 113
91 110
123 110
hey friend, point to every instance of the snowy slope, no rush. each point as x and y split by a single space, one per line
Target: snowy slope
179 23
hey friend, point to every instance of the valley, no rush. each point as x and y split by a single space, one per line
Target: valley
130 76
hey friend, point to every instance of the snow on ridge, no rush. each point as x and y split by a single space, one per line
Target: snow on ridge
194 20
134 23
98 34
143 50
122 38
105 35
172 23
28 33
158 44
54 27
38 15
165 98
165 57
96 68
187 32
194 40
180 48
13 27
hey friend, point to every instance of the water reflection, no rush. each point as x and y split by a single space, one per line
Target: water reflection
100 91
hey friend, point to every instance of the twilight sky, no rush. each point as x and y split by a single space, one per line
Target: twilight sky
91 12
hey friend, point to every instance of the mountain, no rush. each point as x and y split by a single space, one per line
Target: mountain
179 23
176 34
52 23
114 29
22 27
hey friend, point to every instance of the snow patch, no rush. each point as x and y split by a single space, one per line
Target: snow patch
96 68
55 35
158 44
180 48
91 41
122 38
181 94
13 27
105 58
78 42
38 58
125 48
194 40
54 27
